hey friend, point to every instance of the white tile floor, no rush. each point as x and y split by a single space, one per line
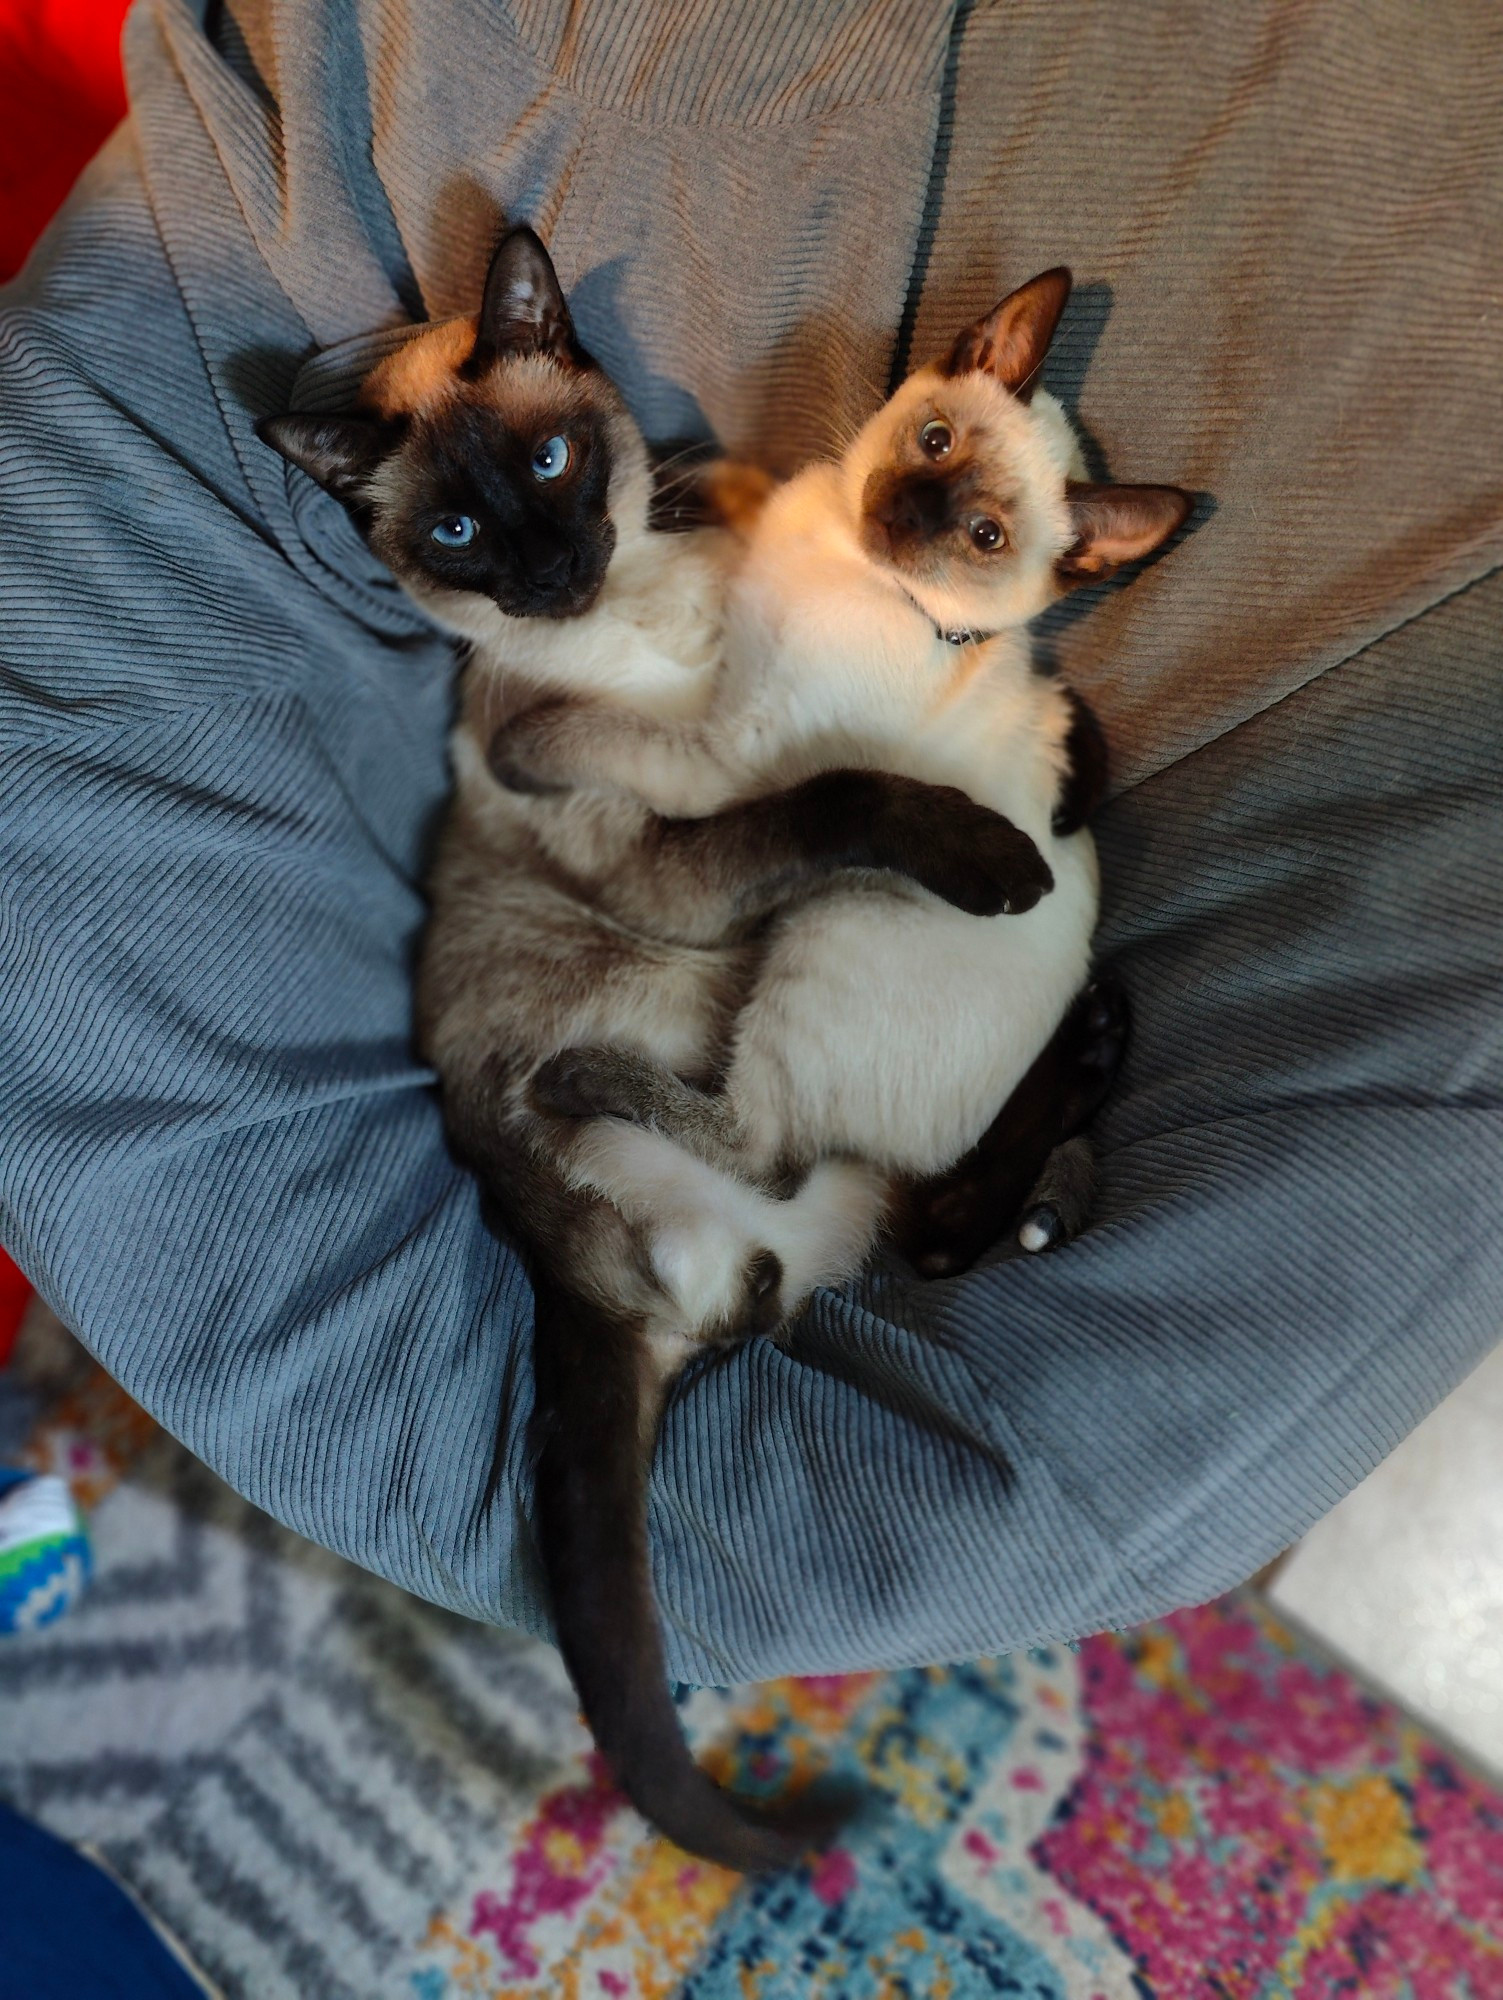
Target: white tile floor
1405 1577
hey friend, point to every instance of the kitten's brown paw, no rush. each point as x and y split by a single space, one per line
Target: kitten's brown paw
1095 1031
954 1218
1086 768
1060 1206
736 493
949 1221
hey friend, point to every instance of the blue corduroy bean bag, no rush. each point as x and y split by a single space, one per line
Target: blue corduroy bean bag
222 755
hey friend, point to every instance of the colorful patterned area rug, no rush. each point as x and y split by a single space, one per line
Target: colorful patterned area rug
331 1792
1202 1808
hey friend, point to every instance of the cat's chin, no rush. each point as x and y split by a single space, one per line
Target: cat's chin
558 604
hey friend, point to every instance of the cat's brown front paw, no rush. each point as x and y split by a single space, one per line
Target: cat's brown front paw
523 753
570 1084
983 864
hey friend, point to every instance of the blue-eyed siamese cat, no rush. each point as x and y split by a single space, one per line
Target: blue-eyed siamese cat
494 468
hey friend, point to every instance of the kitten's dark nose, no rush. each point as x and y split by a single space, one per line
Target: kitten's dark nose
908 509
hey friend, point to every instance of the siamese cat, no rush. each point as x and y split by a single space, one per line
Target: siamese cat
879 617
496 471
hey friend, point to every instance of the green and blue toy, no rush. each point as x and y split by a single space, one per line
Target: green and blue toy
44 1550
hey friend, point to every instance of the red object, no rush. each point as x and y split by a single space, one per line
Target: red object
14 1292
61 94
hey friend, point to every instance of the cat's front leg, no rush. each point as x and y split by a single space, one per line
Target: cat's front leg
1086 767
713 880
937 835
559 746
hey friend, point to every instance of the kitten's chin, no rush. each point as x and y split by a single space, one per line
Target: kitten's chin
909 561
929 582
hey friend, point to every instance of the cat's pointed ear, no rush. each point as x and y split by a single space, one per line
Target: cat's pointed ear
341 453
523 310
1116 525
1011 342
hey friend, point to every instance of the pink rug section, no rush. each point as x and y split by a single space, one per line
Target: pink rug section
1252 1821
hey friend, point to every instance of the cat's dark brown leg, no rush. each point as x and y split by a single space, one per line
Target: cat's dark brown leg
1022 1166
1085 781
1060 1203
735 867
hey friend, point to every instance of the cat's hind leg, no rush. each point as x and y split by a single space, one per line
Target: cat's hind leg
1030 1168
1062 1199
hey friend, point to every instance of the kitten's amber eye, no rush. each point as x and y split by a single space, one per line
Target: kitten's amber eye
936 439
985 534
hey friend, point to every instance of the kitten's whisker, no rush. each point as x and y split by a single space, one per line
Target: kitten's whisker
840 434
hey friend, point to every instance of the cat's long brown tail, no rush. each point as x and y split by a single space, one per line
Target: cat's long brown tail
598 1402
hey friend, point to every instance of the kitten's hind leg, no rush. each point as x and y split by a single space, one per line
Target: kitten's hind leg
603 1081
947 1222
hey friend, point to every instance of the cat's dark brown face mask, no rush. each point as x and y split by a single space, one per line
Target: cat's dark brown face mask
479 465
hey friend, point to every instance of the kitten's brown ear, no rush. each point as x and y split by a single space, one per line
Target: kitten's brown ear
523 310
1116 525
1011 342
341 453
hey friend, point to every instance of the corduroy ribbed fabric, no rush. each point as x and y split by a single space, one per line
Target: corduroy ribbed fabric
221 757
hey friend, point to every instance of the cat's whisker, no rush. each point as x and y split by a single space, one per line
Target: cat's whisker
677 480
690 451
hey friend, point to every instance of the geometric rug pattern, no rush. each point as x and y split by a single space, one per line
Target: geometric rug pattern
331 1791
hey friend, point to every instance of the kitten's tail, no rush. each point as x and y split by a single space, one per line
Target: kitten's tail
599 1396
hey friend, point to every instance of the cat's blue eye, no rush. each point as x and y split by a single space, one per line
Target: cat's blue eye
455 531
552 458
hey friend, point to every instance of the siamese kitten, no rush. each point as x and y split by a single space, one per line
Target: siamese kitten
880 616
496 471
